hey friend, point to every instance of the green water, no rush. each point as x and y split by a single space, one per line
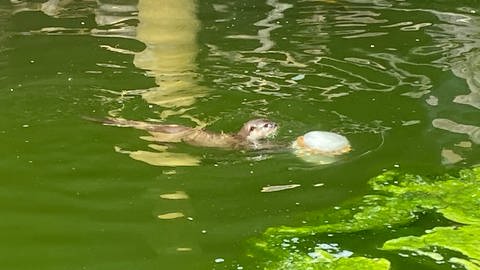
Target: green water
383 73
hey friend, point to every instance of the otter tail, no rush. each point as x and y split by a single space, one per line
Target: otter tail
121 122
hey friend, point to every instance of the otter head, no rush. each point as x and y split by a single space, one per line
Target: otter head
258 129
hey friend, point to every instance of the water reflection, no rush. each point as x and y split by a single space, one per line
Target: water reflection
161 157
393 48
349 66
270 68
51 8
457 42
469 69
112 18
472 131
269 24
169 31
294 58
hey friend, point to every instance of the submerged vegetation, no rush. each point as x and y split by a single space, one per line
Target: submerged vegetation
398 199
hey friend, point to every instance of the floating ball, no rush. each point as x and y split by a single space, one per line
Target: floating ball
321 147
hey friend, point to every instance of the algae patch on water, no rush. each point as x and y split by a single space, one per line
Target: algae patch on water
397 200
464 239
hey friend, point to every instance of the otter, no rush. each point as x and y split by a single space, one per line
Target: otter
250 136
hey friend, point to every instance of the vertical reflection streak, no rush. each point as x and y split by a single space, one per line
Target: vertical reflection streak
269 22
169 29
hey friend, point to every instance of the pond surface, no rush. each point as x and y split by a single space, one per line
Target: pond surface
400 79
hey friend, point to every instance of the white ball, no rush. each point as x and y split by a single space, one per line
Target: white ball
325 141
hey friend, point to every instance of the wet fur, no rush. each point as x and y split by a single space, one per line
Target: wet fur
249 135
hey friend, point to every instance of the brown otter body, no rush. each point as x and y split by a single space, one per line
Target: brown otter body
249 136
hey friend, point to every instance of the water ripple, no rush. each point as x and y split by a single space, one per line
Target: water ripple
74 18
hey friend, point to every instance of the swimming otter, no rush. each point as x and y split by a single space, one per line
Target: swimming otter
249 136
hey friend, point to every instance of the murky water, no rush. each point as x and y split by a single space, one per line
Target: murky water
400 79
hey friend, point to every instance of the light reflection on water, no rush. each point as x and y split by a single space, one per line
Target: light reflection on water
323 73
378 64
379 72
281 56
312 68
374 71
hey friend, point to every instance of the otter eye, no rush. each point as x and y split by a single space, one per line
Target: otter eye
266 125
252 128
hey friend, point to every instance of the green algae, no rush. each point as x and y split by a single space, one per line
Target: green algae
469 265
281 259
329 262
464 239
456 198
398 199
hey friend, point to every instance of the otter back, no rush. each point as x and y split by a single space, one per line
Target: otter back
198 137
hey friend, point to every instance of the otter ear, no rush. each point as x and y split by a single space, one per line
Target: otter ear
252 128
